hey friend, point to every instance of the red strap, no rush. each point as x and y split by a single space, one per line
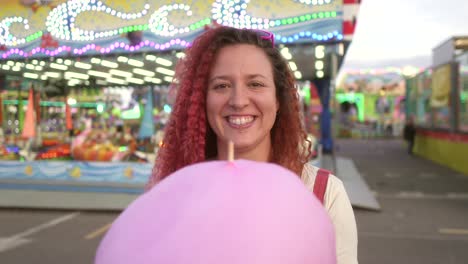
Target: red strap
320 184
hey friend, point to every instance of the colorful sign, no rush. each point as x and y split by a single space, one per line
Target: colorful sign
59 28
76 171
440 97
441 86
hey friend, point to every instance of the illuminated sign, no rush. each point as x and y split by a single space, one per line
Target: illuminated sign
76 27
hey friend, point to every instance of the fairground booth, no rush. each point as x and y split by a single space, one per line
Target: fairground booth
370 103
437 101
85 83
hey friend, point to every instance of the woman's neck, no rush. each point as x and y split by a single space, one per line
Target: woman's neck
261 152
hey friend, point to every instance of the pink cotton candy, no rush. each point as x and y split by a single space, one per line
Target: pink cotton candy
220 212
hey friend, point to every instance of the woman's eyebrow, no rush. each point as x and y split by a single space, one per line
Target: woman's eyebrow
219 77
226 77
252 76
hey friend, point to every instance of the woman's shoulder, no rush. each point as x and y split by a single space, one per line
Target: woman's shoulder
335 187
335 194
309 172
338 206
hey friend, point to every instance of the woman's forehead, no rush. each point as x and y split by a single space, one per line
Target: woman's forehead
242 58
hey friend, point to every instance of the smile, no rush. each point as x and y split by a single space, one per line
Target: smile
240 121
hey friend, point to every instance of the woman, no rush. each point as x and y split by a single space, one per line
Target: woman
233 85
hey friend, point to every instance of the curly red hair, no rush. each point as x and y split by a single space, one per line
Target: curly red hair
188 137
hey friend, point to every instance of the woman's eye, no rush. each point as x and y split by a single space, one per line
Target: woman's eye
256 84
220 86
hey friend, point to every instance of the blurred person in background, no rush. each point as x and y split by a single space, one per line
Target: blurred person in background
409 133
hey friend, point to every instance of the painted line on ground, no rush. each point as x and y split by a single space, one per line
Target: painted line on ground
8 243
98 231
46 225
411 236
420 195
458 195
454 231
20 238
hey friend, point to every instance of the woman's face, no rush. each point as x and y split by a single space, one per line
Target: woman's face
241 99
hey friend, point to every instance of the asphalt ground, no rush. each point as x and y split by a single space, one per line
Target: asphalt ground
424 216
38 236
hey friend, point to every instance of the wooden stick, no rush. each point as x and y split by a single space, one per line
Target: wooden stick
230 149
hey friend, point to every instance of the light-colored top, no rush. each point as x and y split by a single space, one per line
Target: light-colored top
339 209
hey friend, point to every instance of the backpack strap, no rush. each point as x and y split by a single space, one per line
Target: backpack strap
320 184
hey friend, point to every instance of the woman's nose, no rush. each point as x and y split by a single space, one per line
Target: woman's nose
239 98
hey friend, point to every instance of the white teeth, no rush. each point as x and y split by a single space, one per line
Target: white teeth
241 120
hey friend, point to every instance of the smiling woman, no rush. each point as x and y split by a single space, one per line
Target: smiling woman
241 102
235 86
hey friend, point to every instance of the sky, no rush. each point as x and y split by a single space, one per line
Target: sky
399 30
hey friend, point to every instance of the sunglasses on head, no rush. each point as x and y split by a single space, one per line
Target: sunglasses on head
266 35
